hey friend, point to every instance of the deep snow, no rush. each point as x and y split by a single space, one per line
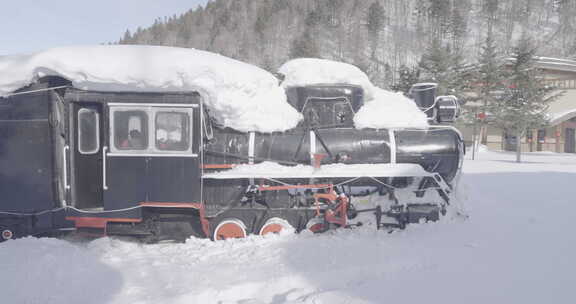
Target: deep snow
516 246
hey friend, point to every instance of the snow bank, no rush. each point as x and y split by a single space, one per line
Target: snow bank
241 96
54 271
390 110
382 109
521 247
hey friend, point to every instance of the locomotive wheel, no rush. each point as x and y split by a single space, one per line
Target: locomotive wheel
7 234
275 225
316 225
230 228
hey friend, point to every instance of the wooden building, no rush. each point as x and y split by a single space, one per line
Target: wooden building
560 135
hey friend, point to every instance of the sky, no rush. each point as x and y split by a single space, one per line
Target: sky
32 25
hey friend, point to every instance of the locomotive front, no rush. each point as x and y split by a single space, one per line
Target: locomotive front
326 138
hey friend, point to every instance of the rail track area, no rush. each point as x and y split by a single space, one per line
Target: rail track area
515 246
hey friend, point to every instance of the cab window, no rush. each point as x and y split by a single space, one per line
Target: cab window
88 131
130 130
172 131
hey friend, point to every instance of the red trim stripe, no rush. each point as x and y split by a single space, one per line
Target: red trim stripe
219 166
286 187
98 222
171 205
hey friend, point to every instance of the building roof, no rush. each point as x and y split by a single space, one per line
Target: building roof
557 64
563 108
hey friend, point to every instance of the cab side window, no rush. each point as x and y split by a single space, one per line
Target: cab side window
88 131
130 130
172 131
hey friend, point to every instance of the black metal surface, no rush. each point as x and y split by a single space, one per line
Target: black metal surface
173 179
86 175
448 109
424 94
436 150
326 105
127 179
25 153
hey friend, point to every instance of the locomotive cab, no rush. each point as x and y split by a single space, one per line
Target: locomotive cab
133 147
97 160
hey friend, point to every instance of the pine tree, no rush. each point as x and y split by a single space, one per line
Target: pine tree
127 37
439 12
444 66
375 24
407 77
306 45
489 77
524 103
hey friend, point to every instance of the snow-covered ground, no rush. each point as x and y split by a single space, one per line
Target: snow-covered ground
517 246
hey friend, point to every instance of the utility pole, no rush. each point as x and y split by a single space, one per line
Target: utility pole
474 133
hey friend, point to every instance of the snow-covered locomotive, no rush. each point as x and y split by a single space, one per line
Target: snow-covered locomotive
156 164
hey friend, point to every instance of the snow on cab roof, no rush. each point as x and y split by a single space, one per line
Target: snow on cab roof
382 109
239 95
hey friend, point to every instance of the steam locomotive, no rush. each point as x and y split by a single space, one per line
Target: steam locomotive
155 165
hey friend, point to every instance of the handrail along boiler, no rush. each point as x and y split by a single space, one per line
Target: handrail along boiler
155 165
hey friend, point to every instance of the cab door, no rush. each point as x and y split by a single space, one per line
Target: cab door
86 155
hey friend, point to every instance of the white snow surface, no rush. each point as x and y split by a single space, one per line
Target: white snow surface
390 110
516 246
240 95
275 170
307 71
382 109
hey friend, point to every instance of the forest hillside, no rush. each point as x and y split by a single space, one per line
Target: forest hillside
379 36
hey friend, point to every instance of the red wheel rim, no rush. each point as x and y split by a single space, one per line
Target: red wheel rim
271 228
275 225
7 234
230 229
316 227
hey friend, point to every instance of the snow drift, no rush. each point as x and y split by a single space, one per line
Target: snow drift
241 96
382 109
390 110
515 248
307 71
